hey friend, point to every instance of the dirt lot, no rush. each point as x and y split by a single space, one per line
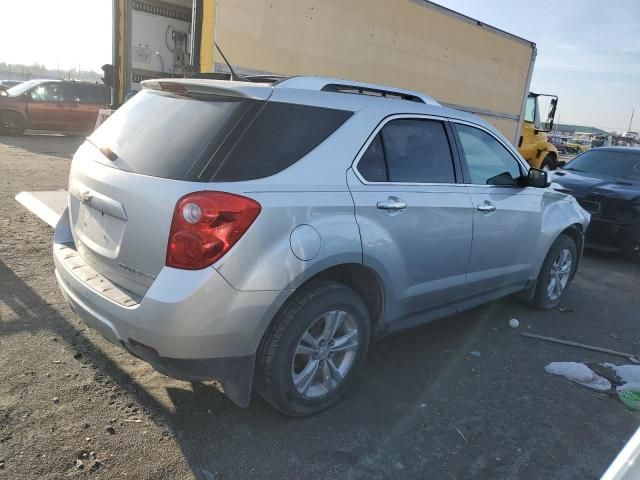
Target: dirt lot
424 407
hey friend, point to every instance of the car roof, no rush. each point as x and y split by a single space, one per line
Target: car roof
332 92
618 149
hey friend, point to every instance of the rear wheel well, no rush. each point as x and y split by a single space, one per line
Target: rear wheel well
364 281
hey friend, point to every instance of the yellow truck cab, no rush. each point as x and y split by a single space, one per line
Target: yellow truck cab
579 144
534 145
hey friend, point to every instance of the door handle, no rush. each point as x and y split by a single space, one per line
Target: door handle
392 204
487 207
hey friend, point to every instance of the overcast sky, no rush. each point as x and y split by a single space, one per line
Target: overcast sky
588 50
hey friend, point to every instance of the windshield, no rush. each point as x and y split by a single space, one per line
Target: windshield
22 88
619 164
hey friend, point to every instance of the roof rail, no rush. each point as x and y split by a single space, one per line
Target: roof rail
358 88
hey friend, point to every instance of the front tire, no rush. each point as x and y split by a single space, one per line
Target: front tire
556 273
313 349
549 163
11 123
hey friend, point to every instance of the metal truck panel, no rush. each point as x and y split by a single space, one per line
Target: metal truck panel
409 44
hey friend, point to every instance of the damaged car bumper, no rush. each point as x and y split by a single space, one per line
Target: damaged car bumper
611 235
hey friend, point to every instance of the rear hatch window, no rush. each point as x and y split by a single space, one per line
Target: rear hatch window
163 135
211 137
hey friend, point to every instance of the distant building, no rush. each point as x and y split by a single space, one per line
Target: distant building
567 129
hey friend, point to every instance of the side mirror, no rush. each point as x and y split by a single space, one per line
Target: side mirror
537 178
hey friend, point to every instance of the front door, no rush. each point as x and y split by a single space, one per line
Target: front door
415 221
506 215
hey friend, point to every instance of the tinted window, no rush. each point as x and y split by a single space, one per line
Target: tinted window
280 135
372 163
49 92
90 94
162 135
417 151
72 93
489 162
611 163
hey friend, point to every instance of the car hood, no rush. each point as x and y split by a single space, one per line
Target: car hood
580 184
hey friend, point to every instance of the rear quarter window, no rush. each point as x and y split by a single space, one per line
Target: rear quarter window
279 135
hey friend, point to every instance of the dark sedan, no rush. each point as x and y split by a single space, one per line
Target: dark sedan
606 182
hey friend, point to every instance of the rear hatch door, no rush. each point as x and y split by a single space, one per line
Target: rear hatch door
126 179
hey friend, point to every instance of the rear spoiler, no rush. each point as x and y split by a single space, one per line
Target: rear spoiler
225 88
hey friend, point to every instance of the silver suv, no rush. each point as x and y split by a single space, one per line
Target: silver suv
261 233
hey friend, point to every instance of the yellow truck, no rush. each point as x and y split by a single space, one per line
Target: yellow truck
412 44
534 144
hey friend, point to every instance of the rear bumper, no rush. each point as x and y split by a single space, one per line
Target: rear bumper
190 325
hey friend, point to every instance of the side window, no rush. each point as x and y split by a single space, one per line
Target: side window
102 95
72 93
415 151
489 162
49 92
91 94
530 110
372 164
280 135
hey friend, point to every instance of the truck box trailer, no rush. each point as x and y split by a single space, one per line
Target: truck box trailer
412 44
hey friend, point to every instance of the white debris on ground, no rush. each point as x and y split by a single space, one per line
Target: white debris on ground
626 379
579 373
626 373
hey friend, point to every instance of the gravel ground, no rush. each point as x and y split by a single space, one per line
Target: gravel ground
425 406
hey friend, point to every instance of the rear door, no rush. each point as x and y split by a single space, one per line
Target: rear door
506 216
46 108
87 102
415 220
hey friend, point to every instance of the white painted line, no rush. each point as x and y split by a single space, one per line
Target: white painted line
39 208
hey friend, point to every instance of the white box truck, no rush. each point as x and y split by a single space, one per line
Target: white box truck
413 44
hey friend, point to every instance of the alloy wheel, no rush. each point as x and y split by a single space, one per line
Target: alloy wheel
559 274
325 354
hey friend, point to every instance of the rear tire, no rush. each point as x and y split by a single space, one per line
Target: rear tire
556 273
300 368
11 123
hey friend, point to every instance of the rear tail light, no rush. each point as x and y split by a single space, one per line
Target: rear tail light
206 225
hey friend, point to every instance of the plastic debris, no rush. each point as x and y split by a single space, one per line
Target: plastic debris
579 373
514 323
631 398
626 373
475 353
